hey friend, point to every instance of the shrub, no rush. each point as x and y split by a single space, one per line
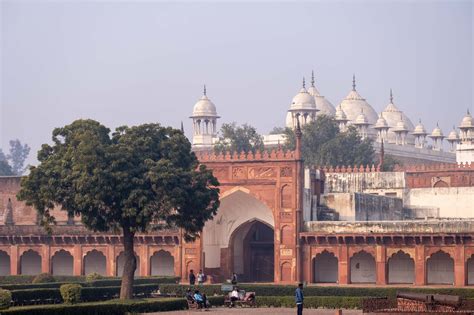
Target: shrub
346 302
44 278
5 299
94 276
71 293
113 307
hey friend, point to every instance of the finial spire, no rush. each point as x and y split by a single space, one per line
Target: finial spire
312 78
205 91
304 83
468 112
391 97
182 127
353 82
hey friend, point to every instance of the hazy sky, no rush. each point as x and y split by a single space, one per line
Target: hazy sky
131 62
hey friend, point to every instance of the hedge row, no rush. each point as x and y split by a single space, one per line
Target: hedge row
346 302
88 294
28 279
112 307
106 282
288 290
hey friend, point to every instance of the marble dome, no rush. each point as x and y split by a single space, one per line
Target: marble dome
437 132
392 115
204 107
453 135
381 123
420 129
467 121
322 104
303 100
352 106
340 115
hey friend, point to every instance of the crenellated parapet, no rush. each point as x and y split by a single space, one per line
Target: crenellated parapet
273 155
435 167
349 169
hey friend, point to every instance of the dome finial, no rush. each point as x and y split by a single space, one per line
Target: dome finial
391 97
205 92
304 83
353 82
468 112
312 78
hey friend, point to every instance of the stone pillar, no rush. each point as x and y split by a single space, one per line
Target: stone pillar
381 264
459 266
14 260
145 260
110 261
45 259
77 260
344 265
420 265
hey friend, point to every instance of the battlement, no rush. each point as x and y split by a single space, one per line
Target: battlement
275 154
349 169
435 167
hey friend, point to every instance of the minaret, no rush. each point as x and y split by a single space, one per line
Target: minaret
204 122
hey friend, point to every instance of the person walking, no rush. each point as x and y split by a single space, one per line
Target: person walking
201 277
192 277
234 278
299 299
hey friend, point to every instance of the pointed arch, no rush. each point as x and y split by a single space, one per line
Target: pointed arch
62 263
4 263
325 268
440 268
30 263
95 262
362 268
162 263
401 268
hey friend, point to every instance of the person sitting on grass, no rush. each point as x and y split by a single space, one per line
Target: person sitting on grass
200 299
234 296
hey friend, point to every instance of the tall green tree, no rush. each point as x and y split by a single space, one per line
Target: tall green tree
5 168
234 138
18 154
323 144
135 180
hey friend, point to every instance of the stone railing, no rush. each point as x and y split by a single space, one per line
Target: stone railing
435 167
349 169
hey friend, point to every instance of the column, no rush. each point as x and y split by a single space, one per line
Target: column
14 260
144 260
344 265
459 266
381 264
420 265
110 261
45 259
77 260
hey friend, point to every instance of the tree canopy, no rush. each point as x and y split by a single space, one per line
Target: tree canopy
323 144
136 179
234 138
13 163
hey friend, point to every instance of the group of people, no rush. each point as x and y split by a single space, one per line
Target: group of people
201 277
197 297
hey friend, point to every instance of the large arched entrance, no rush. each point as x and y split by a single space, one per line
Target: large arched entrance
253 252
30 263
95 262
4 264
162 264
240 239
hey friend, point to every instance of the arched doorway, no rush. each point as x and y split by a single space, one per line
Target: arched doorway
440 269
162 264
62 263
401 268
470 270
241 220
120 263
325 266
253 252
95 262
4 264
30 263
363 268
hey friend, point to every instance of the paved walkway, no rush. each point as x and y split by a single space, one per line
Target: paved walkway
261 311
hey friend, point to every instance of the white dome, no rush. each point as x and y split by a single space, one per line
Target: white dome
453 135
303 100
353 104
361 119
381 123
322 104
392 115
340 115
420 129
437 132
204 107
400 126
467 121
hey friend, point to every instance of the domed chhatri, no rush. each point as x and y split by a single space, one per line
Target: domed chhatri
362 124
392 115
420 135
353 104
467 127
437 136
322 104
341 118
204 121
401 131
382 128
302 108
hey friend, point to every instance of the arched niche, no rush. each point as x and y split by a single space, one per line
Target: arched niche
95 262
30 263
325 268
162 264
401 268
62 263
440 268
285 272
4 263
362 268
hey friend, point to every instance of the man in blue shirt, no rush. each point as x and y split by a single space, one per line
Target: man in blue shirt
299 299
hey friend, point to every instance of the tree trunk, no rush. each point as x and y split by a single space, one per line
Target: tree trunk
126 291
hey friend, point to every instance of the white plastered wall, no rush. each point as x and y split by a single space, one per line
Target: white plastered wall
237 207
362 268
